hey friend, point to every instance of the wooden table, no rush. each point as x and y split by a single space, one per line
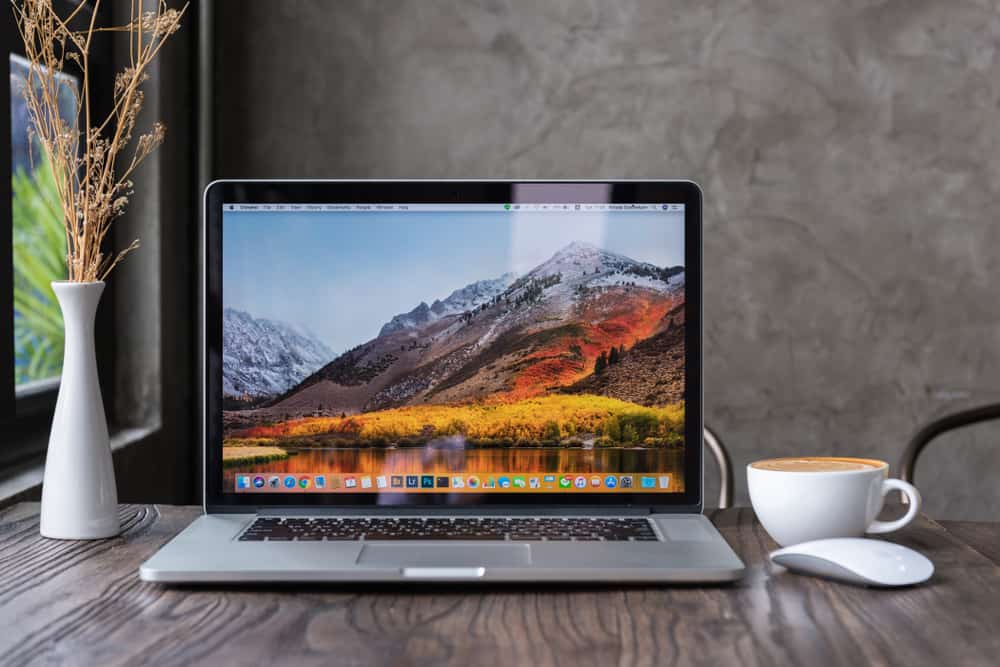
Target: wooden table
83 603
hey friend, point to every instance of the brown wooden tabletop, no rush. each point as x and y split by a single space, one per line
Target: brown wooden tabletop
83 603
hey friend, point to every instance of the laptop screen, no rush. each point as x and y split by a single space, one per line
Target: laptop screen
453 348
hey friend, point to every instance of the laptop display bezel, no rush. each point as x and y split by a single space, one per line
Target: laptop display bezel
218 500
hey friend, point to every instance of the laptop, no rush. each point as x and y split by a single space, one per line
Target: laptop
490 381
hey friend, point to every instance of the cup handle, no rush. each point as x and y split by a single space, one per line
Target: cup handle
911 494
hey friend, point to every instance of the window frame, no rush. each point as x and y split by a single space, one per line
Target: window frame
27 418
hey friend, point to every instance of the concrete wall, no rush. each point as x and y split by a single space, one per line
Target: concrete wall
848 152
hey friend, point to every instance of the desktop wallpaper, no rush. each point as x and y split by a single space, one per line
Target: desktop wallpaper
525 351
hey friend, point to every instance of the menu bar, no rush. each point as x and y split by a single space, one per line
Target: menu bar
480 208
451 483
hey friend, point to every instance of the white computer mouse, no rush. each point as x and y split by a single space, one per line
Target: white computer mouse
857 560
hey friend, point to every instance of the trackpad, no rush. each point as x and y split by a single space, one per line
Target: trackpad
443 555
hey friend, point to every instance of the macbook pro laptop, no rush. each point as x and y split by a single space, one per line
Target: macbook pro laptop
451 381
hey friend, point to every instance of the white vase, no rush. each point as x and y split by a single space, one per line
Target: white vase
79 497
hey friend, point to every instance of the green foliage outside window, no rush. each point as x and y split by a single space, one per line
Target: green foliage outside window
39 258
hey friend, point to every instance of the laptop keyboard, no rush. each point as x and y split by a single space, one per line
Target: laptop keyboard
552 529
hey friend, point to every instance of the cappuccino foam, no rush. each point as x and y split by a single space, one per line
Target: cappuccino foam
816 464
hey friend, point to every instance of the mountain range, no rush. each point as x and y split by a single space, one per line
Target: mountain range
511 338
457 302
262 358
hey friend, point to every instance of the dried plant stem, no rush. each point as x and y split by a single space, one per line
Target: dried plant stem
93 191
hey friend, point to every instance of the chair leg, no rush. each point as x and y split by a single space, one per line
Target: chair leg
714 444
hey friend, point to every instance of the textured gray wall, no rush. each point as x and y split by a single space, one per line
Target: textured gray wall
848 154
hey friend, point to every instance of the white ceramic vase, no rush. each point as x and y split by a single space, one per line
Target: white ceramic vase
79 497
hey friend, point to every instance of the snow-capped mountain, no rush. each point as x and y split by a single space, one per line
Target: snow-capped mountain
513 337
584 263
262 358
459 301
577 265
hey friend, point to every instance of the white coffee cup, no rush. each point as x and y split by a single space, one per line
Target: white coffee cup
817 497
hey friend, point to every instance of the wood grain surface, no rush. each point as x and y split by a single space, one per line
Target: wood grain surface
82 603
982 536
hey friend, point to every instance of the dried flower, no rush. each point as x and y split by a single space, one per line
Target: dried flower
93 191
